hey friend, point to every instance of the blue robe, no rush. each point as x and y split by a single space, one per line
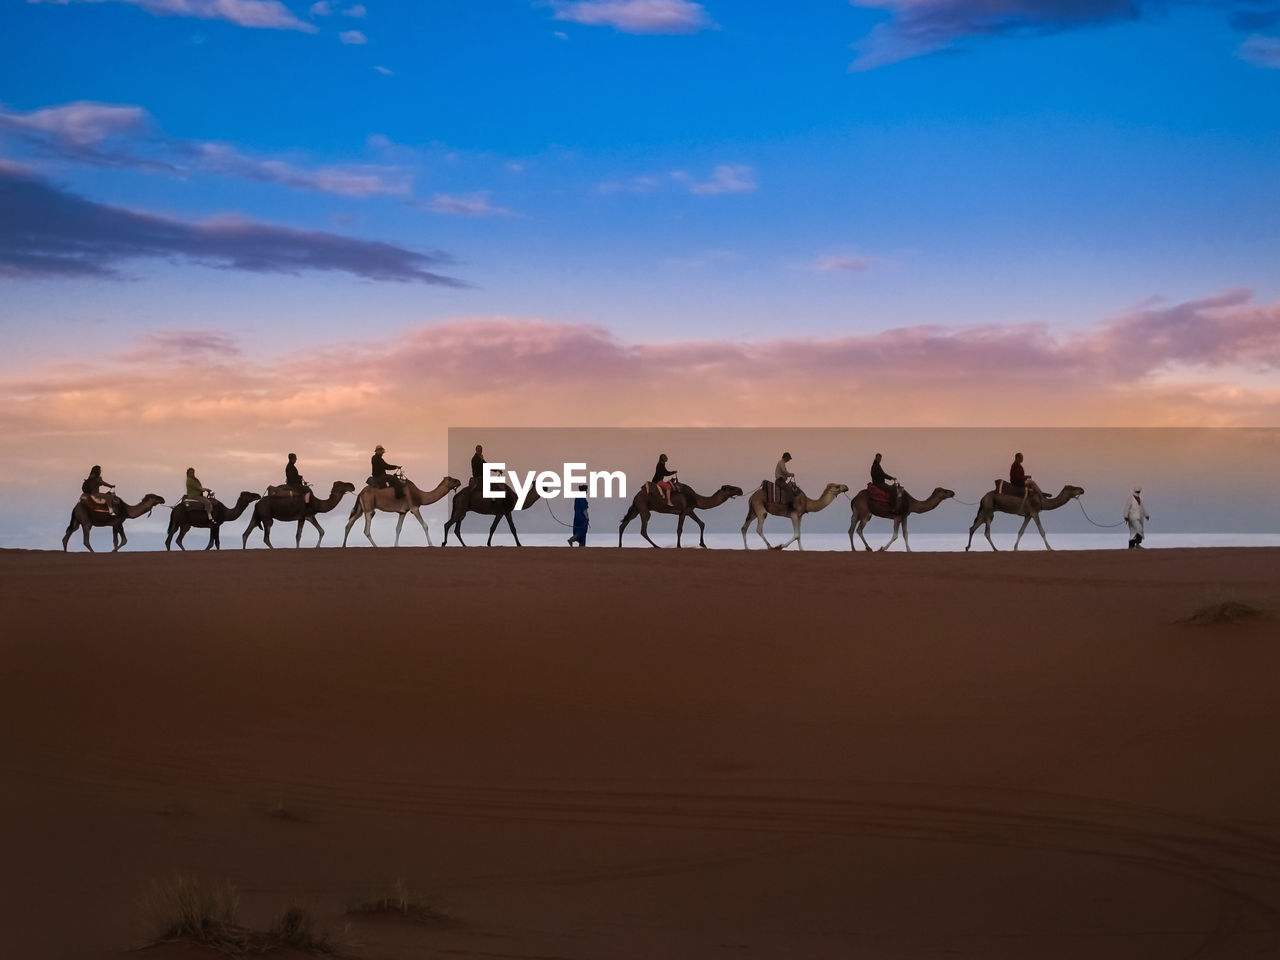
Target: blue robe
580 520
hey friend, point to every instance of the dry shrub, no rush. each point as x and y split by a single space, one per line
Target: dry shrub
399 901
1225 611
204 912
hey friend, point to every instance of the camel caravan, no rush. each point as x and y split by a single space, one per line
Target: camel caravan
388 490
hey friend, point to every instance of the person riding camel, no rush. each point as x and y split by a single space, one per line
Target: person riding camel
1018 478
381 472
784 480
880 480
197 492
660 474
92 488
293 478
477 468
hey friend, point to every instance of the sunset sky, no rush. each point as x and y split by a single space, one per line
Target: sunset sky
231 228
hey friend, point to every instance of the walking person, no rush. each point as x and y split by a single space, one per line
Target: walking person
581 517
1136 514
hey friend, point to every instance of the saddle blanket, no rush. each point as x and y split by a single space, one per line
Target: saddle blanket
776 493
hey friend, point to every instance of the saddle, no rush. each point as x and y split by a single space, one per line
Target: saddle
286 492
777 493
382 482
883 499
1007 489
96 502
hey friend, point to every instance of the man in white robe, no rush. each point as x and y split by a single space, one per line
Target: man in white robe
1136 514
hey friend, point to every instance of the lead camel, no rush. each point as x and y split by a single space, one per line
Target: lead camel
1028 507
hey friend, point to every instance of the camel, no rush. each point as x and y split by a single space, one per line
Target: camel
371 499
185 517
468 500
757 508
864 508
684 499
85 518
291 507
1028 507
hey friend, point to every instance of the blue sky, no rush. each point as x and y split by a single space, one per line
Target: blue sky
244 226
1047 174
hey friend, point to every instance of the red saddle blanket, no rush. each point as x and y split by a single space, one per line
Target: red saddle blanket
96 503
878 495
777 493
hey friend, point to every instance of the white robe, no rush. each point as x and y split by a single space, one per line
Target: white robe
1136 514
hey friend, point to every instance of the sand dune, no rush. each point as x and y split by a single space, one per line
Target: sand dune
638 754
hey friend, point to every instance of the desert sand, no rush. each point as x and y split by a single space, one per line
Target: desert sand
649 754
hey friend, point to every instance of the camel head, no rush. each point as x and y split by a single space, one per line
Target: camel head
942 493
839 488
731 491
341 486
247 497
1072 492
151 501
451 483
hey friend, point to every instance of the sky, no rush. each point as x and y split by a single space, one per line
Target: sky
232 228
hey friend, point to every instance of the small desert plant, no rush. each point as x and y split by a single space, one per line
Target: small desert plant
1225 611
297 928
187 908
399 901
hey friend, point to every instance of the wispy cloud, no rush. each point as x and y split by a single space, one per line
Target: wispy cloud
725 178
1261 51
116 135
356 10
917 27
466 205
263 14
47 231
842 263
322 8
636 16
182 347
385 71
353 37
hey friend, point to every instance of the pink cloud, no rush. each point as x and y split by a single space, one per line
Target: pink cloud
843 263
467 205
262 14
636 16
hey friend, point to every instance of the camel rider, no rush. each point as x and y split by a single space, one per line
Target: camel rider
197 492
381 472
660 474
784 479
1018 477
881 480
477 467
92 488
293 479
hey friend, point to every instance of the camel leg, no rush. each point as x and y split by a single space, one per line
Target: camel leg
746 523
760 530
254 523
891 539
399 527
626 519
215 538
456 522
905 542
351 522
852 524
512 524
85 528
679 529
497 519
795 533
702 529
987 531
123 538
1036 518
644 527
368 526
861 527
315 523
422 523
1025 523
